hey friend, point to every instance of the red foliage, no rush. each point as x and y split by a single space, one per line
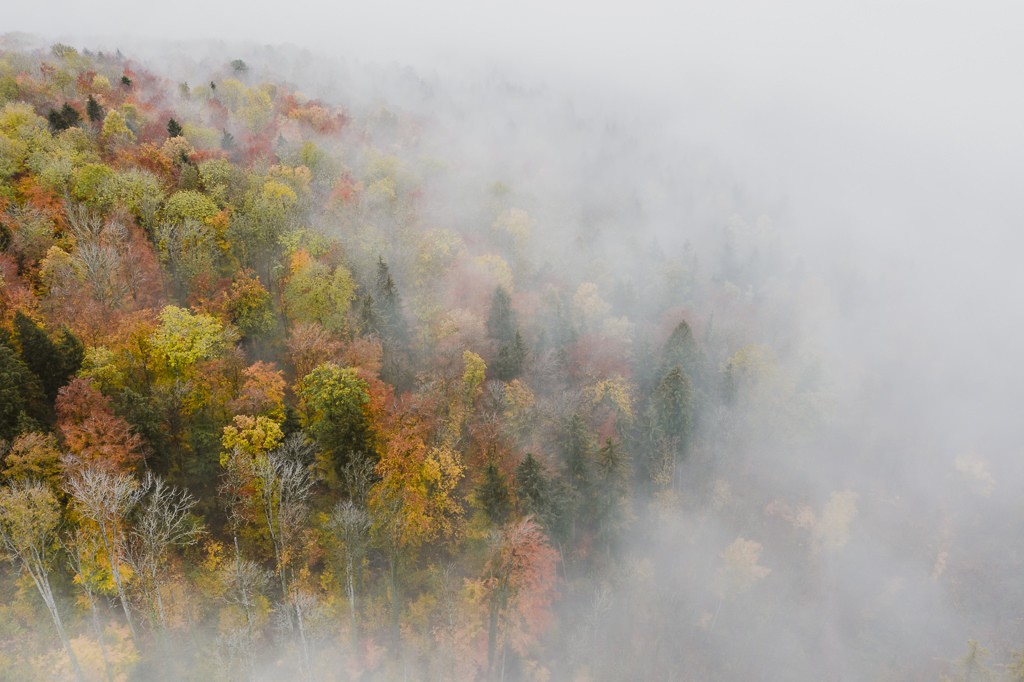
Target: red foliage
91 430
346 190
38 196
597 357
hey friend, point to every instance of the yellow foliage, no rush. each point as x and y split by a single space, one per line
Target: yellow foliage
740 569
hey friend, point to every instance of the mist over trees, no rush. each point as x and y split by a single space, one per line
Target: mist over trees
428 380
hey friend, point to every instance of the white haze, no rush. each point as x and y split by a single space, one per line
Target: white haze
886 140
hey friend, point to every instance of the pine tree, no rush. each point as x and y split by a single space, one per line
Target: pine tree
93 110
173 128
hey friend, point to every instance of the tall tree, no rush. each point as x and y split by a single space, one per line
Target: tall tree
29 518
164 520
22 405
492 495
503 328
350 525
53 363
336 401
105 499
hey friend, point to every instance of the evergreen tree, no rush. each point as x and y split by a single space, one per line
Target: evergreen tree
510 360
503 327
173 128
540 496
673 408
66 118
53 363
21 396
493 496
501 322
93 110
389 304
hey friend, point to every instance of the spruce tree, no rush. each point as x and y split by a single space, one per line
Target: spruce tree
493 496
93 110
173 128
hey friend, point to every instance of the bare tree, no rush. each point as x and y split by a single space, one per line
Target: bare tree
29 518
350 524
243 581
164 521
105 498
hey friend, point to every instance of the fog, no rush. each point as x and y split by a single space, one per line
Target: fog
872 156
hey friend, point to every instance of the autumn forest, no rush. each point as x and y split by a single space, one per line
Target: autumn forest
297 386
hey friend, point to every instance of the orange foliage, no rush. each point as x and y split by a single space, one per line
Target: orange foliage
91 430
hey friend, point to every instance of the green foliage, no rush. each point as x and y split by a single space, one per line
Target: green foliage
63 119
189 205
503 327
173 128
184 338
22 404
336 402
317 293
541 496
492 495
53 363
673 407
93 110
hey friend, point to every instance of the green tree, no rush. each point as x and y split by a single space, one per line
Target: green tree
335 402
492 495
503 328
93 110
542 496
184 338
53 363
67 117
173 128
22 405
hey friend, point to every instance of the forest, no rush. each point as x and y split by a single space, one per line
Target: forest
297 386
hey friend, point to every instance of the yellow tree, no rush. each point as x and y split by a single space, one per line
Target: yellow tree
413 502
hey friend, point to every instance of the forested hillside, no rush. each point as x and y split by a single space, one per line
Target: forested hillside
291 388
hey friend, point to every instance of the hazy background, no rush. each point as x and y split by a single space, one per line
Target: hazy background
888 137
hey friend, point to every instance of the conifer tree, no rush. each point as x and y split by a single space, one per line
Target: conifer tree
493 496
93 110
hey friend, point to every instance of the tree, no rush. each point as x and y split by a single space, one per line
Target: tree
29 518
673 406
185 338
91 430
173 128
105 499
67 117
34 456
52 362
93 110
336 401
316 293
539 496
493 496
83 549
22 403
503 327
350 525
519 586
164 520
